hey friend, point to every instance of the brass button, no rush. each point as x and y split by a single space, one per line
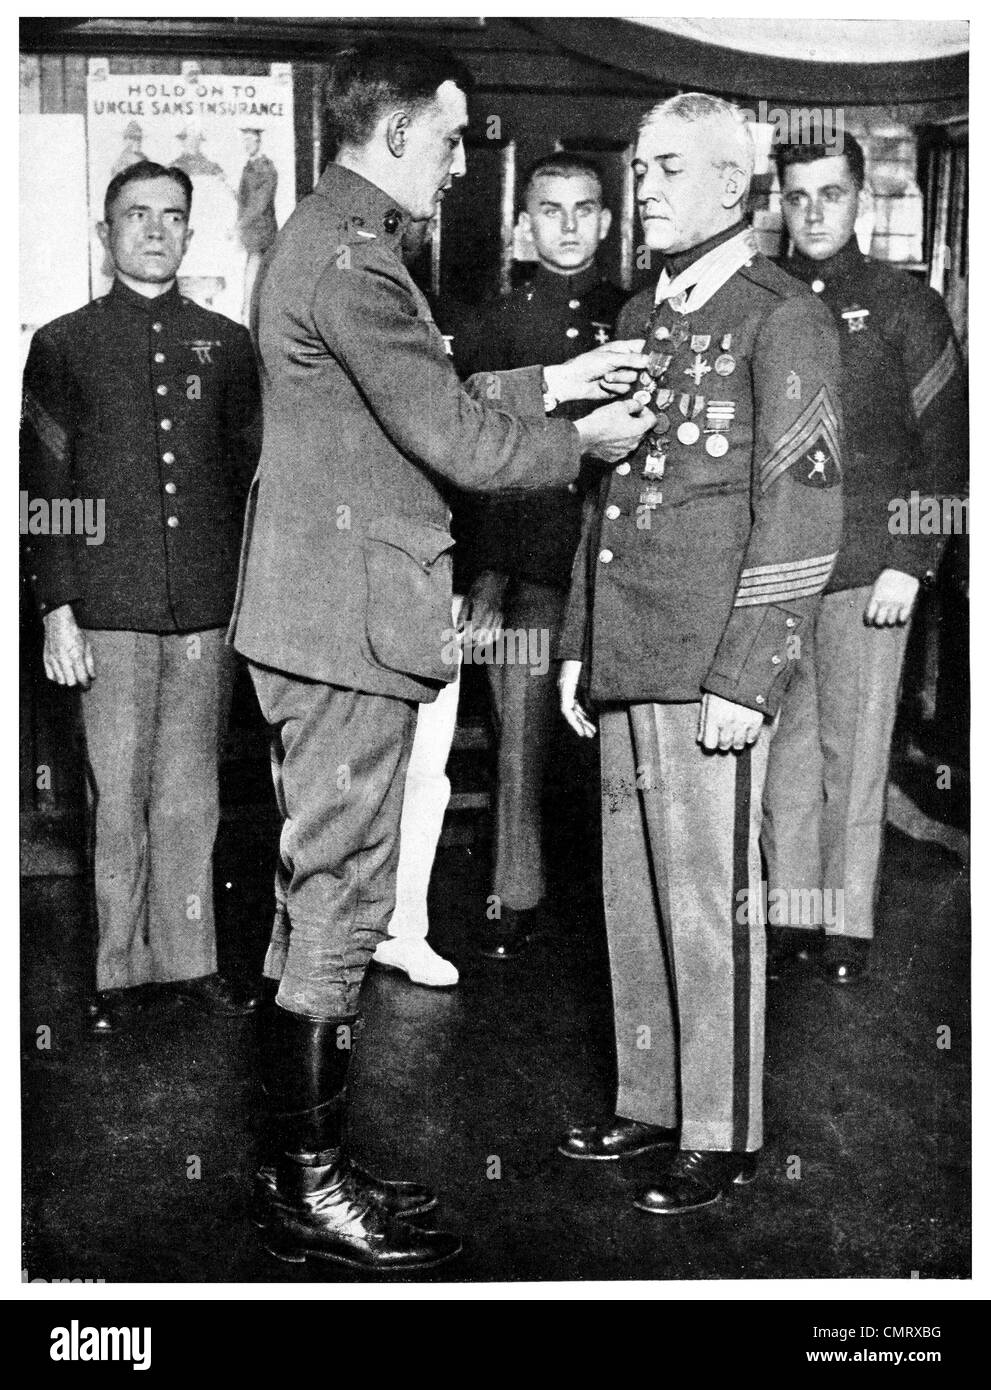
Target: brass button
162 390
605 556
571 332
612 511
159 356
170 489
173 521
168 457
166 424
623 469
775 660
818 286
760 700
574 304
790 622
156 328
572 488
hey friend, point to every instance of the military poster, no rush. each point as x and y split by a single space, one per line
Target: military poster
233 136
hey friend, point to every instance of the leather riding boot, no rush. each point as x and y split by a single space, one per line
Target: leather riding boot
400 1198
320 1204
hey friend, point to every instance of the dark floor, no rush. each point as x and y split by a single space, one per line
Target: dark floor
138 1148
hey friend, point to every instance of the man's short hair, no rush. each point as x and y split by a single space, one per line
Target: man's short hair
380 75
563 165
736 144
798 153
145 169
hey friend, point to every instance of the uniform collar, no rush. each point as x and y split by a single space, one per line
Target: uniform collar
123 297
681 260
372 214
848 259
553 286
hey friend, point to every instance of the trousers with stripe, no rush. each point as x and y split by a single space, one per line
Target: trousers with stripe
681 878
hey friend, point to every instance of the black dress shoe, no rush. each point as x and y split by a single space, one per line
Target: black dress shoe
844 959
216 995
615 1138
510 935
102 1012
696 1178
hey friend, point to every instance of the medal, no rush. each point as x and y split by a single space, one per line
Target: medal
664 397
690 406
643 397
651 496
661 333
716 445
654 465
700 342
725 364
688 432
662 423
856 318
698 369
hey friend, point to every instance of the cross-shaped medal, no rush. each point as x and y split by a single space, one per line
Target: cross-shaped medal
698 371
602 336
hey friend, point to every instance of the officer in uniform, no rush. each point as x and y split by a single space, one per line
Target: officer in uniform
701 567
344 602
904 401
519 547
149 404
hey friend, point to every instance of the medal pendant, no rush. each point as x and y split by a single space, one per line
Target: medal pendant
716 446
651 497
726 364
643 396
663 422
688 432
661 333
654 466
700 342
664 397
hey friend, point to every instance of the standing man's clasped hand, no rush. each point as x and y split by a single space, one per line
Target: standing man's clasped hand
68 654
891 600
724 725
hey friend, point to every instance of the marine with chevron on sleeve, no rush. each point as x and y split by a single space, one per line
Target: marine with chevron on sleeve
904 399
149 403
697 575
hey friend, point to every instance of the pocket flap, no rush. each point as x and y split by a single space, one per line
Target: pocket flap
422 541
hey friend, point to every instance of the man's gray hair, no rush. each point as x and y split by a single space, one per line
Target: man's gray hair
733 145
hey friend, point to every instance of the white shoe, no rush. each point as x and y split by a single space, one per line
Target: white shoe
418 959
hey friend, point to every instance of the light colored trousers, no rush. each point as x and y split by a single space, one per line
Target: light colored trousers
824 800
681 875
153 720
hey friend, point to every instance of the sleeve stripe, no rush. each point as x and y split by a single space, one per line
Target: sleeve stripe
48 430
817 420
807 589
926 391
817 409
815 562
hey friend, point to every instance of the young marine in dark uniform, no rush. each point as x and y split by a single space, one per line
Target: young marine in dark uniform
519 548
151 404
904 399
702 565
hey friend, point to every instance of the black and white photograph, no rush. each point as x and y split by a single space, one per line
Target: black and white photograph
494 775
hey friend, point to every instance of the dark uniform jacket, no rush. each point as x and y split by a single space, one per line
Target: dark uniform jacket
346 564
256 222
904 398
703 591
153 406
550 319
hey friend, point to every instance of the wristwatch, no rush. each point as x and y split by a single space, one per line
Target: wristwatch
551 401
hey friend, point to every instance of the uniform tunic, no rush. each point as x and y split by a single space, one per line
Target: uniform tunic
688 583
550 319
153 406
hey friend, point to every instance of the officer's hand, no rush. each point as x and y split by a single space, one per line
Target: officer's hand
567 684
68 655
606 371
615 430
725 725
482 609
890 603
